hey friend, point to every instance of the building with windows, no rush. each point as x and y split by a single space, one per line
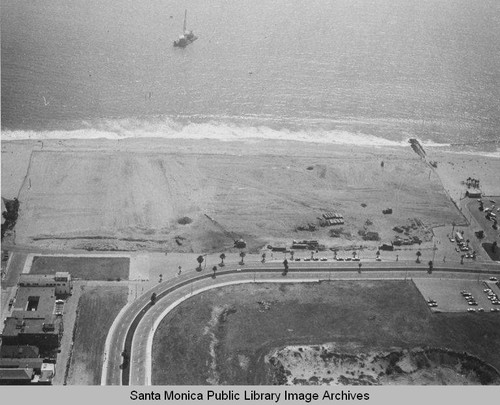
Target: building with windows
61 281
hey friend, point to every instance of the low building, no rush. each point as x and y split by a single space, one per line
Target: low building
61 282
473 193
16 376
19 352
35 364
41 331
40 300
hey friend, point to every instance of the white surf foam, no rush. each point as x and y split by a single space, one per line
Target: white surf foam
170 129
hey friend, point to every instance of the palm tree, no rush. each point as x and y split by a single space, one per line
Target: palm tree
418 256
242 255
214 269
222 257
200 261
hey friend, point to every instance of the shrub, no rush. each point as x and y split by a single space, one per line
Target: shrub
369 235
185 220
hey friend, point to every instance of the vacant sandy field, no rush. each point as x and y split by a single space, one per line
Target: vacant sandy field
107 195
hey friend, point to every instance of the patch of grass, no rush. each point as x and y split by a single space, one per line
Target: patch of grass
488 247
97 309
85 268
307 314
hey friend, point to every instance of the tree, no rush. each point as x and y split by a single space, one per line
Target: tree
494 247
153 298
285 263
291 254
214 269
359 268
263 257
200 260
431 266
242 255
222 257
418 256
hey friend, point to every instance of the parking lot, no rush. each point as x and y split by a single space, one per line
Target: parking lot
447 294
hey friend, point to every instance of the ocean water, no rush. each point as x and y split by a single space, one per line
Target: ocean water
350 71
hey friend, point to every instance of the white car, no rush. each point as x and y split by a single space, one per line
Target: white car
495 309
493 279
471 310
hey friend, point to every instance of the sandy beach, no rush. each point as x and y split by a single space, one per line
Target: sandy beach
137 194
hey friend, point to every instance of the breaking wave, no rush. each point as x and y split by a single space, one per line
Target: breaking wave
223 131
343 132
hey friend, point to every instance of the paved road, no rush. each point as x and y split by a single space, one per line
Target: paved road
135 332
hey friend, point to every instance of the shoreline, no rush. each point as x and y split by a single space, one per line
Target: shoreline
322 138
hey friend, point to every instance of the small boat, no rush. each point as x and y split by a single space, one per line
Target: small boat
187 37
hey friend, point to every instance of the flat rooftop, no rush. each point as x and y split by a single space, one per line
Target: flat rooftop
35 300
18 323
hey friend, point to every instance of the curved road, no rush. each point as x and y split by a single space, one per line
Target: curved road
134 327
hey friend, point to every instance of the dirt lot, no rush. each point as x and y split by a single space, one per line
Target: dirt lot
97 309
84 268
134 197
224 336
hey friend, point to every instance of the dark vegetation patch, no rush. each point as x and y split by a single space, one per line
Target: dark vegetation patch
10 214
85 268
338 232
184 220
369 235
492 250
